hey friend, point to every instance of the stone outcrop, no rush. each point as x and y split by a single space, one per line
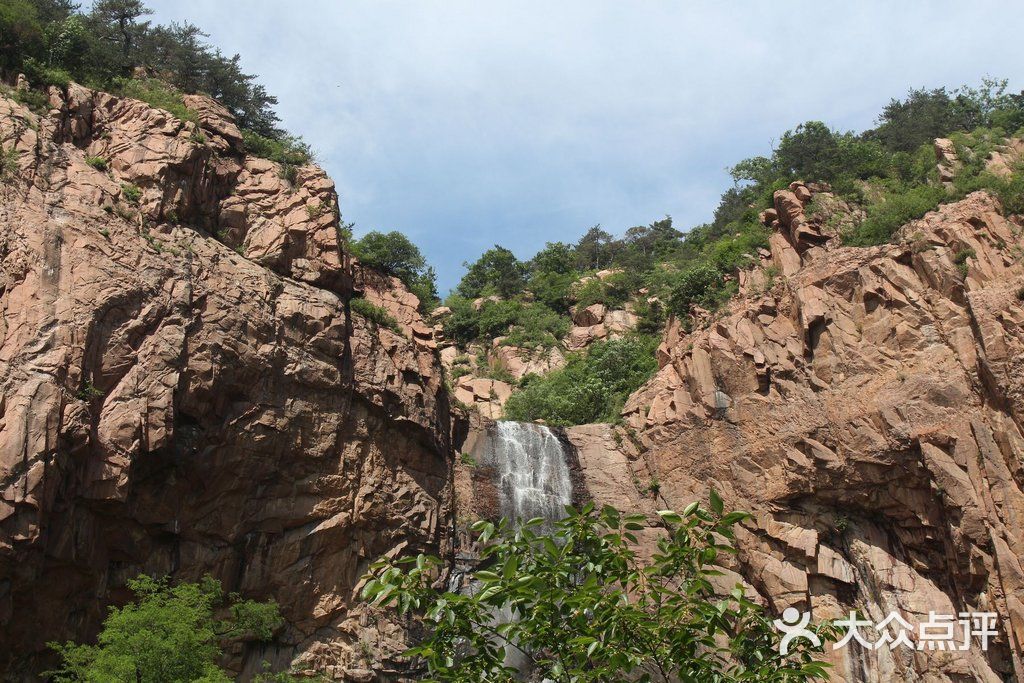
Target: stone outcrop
485 396
185 392
868 410
596 322
519 362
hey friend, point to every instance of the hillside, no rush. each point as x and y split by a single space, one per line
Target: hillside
203 373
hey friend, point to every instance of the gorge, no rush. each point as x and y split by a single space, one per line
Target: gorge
188 389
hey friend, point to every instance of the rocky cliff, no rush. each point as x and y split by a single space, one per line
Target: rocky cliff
867 405
185 390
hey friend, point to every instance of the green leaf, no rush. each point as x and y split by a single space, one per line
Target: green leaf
717 506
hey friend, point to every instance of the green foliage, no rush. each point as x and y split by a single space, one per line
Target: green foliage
287 150
99 163
497 271
894 209
700 285
537 326
392 253
960 260
8 163
131 193
585 607
52 42
169 633
156 93
592 387
374 314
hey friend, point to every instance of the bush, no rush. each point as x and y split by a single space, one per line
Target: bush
893 210
586 606
99 163
700 285
168 633
8 163
131 193
537 326
156 93
374 314
592 387
287 150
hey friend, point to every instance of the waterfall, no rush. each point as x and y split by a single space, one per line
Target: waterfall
530 470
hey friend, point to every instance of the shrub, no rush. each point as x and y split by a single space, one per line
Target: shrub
287 150
586 607
391 253
131 193
156 93
700 285
99 163
8 163
592 387
537 326
894 210
960 260
35 100
168 633
374 314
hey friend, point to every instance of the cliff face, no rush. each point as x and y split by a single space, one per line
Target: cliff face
185 391
867 406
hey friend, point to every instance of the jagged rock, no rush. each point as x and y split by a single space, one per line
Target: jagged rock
217 121
479 303
487 396
591 315
171 406
519 362
874 428
948 162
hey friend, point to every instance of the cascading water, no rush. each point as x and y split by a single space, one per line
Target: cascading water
527 467
530 470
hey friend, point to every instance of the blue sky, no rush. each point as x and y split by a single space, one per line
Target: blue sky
465 124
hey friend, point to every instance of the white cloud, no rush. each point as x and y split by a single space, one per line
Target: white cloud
467 123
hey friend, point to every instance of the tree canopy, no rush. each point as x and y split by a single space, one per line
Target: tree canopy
169 633
581 605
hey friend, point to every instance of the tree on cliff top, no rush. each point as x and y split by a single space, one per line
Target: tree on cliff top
394 254
170 633
585 608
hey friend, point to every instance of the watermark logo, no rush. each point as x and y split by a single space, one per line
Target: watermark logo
938 632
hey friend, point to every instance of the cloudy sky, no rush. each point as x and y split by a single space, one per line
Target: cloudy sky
465 124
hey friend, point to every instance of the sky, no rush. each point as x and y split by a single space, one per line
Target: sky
465 124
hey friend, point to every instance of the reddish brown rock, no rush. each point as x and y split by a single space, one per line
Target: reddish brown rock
171 406
869 413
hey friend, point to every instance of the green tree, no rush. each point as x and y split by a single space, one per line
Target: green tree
497 271
584 607
394 254
170 633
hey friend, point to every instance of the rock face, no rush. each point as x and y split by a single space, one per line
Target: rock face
868 409
185 392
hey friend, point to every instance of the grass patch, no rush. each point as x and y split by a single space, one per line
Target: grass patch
290 150
374 314
99 163
156 93
131 193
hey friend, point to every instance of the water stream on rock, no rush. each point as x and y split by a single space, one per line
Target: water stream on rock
530 470
530 474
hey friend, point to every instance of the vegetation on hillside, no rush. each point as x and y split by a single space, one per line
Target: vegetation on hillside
592 387
168 633
887 175
585 607
53 42
394 254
